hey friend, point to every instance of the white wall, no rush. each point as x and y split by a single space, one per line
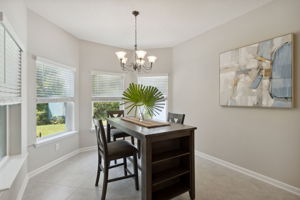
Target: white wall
163 63
47 40
100 57
263 140
96 57
16 13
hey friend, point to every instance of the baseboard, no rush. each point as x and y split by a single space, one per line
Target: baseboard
52 163
22 188
59 160
250 173
84 149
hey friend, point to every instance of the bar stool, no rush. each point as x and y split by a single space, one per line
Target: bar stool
176 118
113 151
115 133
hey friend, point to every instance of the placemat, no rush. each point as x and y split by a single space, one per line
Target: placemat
146 123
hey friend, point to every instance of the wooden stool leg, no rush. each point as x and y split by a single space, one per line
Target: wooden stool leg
98 174
98 171
125 166
132 140
105 181
115 139
139 148
136 173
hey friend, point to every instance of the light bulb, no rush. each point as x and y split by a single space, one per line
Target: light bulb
152 59
124 60
140 54
140 62
121 54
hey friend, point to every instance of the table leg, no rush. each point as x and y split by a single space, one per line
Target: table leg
146 169
192 165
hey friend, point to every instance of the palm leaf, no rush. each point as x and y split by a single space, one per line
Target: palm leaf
148 96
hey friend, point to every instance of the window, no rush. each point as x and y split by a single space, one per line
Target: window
161 82
10 69
55 98
107 90
10 82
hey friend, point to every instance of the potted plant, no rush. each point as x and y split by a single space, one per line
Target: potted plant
147 100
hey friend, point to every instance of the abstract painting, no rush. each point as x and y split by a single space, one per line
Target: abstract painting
258 75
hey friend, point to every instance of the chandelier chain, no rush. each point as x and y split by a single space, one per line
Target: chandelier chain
135 32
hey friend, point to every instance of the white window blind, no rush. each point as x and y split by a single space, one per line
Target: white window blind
10 68
107 86
54 83
161 82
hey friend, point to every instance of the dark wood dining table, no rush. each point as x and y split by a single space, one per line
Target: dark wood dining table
167 158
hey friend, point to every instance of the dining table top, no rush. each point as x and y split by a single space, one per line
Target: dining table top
140 131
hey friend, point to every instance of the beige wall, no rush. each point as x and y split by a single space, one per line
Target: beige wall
47 40
263 140
16 13
92 57
100 57
53 43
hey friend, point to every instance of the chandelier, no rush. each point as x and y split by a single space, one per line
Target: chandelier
139 63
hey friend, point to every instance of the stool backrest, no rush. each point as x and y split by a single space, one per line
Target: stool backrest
115 113
101 138
176 118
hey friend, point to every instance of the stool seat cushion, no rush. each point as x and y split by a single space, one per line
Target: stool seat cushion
120 149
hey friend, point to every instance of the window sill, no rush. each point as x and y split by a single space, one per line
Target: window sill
10 169
54 138
3 161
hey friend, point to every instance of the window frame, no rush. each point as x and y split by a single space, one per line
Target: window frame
165 96
68 101
104 99
9 30
5 158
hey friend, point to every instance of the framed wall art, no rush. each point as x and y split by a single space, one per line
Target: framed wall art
258 75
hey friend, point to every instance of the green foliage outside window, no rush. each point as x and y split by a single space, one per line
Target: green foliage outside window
100 109
46 123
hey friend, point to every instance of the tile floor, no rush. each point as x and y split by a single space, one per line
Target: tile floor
74 180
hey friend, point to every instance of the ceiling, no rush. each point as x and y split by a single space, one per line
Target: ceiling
161 23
